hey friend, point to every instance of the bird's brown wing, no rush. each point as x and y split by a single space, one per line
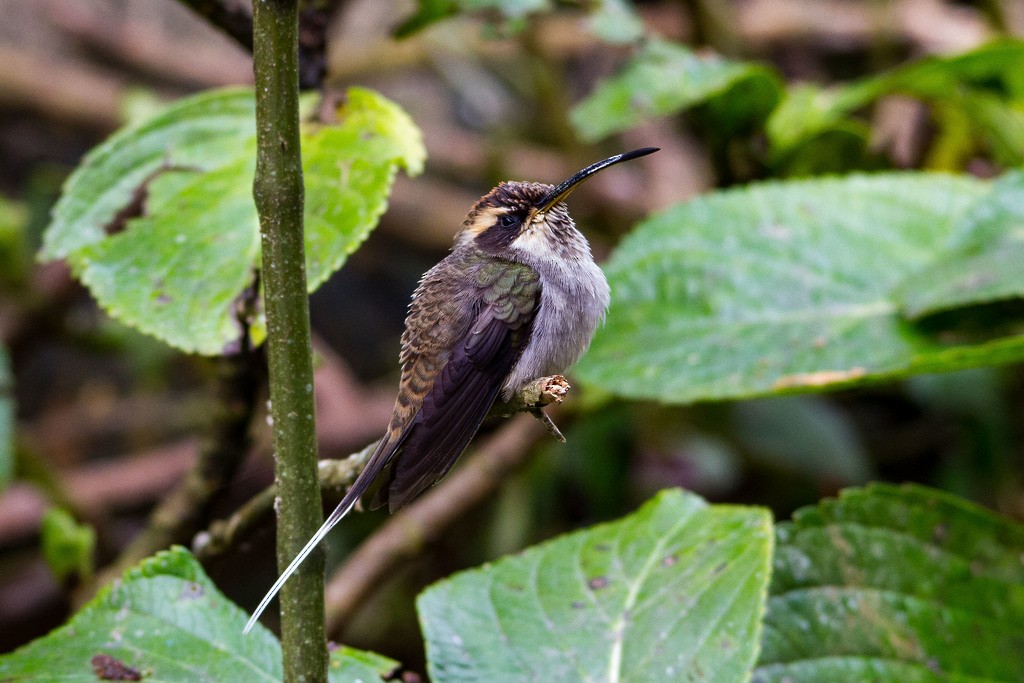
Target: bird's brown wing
455 359
464 389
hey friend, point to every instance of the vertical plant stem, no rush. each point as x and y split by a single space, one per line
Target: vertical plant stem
279 200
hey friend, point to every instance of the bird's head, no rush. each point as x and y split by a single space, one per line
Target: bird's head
522 219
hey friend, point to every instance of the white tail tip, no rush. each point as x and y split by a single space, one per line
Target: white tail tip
311 545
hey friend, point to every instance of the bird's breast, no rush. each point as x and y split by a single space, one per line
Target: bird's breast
574 298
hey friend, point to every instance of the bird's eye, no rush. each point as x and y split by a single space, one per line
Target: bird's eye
508 220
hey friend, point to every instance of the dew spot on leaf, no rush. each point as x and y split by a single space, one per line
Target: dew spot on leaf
192 591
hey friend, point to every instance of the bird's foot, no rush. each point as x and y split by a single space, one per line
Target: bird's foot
553 390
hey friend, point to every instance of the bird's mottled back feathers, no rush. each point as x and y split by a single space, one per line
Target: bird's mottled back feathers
468 323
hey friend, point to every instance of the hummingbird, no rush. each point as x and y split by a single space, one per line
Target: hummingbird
518 298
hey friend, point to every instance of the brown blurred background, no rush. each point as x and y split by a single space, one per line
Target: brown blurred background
108 420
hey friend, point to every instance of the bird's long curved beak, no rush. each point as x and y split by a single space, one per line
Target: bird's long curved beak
562 191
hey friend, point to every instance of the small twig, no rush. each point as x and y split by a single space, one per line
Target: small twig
334 475
532 399
337 475
541 392
409 530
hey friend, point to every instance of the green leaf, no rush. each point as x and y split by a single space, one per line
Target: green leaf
15 257
14 262
166 621
984 83
431 11
616 22
196 134
810 135
895 584
842 148
983 261
999 122
179 280
6 421
992 66
673 592
67 545
348 171
348 665
783 287
666 78
160 224
807 110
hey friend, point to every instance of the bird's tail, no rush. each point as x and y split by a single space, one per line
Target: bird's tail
381 456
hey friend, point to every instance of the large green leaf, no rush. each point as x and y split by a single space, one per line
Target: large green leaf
784 287
673 592
166 621
984 260
895 584
667 78
160 224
